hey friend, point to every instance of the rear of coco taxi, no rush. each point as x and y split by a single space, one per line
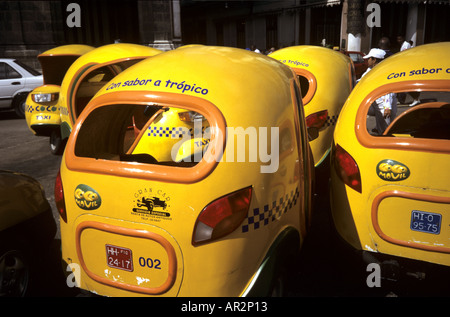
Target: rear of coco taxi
139 226
43 104
391 193
326 80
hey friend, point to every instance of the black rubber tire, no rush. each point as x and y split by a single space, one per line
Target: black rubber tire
19 106
57 145
14 274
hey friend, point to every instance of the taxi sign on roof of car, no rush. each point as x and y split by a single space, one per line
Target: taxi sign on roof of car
326 79
391 189
222 218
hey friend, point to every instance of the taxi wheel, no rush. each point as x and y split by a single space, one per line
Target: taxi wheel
56 143
282 278
278 288
14 274
19 106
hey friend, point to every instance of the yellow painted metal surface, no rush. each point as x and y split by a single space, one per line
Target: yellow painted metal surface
327 78
89 73
150 205
403 208
43 113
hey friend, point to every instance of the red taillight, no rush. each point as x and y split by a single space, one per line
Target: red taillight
346 168
222 216
317 120
59 198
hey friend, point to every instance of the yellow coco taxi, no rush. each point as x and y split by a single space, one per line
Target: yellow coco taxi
391 189
91 72
184 183
326 80
42 111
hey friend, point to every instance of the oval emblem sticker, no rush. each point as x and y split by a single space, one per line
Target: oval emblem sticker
392 171
87 198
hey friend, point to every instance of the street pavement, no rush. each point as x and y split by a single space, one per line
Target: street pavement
327 267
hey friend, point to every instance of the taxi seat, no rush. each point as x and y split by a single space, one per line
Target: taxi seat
139 158
85 92
91 84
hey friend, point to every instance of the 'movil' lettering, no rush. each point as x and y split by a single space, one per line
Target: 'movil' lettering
83 204
392 176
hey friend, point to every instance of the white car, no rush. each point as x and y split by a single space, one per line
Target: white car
16 81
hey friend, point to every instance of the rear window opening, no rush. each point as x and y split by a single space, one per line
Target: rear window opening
149 134
95 79
54 68
308 84
304 85
411 114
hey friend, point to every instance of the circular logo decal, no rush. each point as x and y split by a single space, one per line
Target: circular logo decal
392 171
87 198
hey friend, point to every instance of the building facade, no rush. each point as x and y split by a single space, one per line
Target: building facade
28 28
333 23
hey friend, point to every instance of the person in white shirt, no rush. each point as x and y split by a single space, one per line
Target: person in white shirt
404 45
382 108
375 56
254 49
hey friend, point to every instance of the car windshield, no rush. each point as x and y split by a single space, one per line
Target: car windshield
29 69
356 58
152 134
54 68
411 114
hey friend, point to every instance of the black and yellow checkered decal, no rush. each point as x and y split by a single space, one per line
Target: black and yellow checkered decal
174 133
259 218
167 132
331 120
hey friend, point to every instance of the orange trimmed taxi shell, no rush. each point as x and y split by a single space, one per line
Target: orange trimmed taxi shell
90 72
43 117
279 208
327 78
405 174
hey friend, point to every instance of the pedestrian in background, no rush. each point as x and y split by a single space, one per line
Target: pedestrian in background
414 94
404 45
385 44
254 49
382 107
271 50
